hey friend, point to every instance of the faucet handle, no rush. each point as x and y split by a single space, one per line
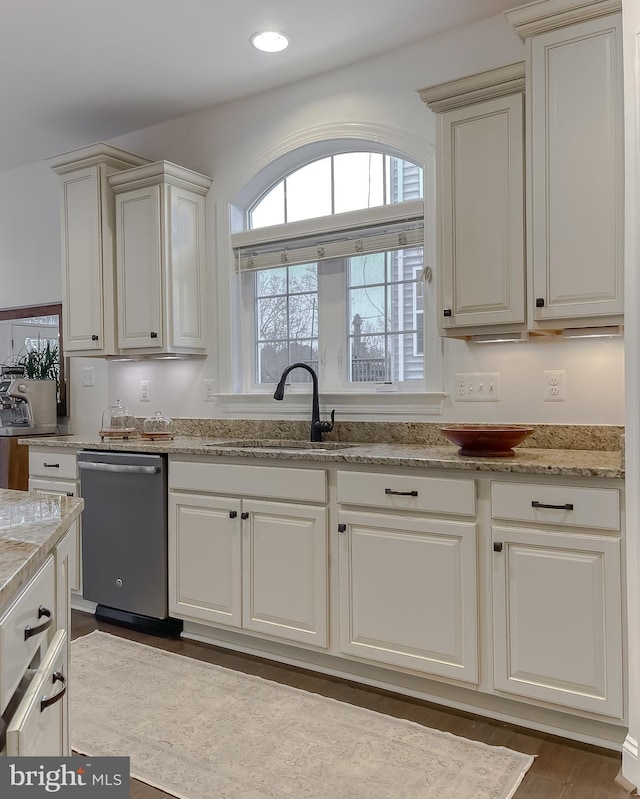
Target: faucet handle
327 427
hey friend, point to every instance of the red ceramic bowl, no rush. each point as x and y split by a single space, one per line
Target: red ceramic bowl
486 440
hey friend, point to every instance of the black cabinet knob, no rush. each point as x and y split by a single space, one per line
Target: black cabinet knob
539 302
94 337
446 312
153 334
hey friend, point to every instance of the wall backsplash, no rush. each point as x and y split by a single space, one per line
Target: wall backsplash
546 436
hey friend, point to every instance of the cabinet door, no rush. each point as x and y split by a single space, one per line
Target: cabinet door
482 213
186 269
285 571
577 170
82 261
557 616
139 268
408 593
40 725
205 547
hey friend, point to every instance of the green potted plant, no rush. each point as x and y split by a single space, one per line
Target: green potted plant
41 364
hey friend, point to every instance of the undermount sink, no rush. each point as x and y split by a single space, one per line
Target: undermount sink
279 444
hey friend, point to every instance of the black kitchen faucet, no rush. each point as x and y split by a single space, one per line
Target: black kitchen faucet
317 427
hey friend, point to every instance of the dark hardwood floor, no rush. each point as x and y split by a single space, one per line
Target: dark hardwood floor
561 769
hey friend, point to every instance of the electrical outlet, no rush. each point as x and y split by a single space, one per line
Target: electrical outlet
477 387
554 386
145 392
88 376
209 389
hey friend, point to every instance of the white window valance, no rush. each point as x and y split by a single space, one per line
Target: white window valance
338 236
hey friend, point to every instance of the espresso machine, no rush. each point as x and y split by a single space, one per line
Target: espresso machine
27 407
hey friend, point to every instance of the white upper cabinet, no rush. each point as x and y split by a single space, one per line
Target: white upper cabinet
88 235
161 259
535 146
480 189
575 169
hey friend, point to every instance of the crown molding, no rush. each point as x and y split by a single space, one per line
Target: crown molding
159 172
547 15
475 88
95 154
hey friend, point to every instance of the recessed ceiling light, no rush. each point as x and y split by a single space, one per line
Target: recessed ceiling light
270 41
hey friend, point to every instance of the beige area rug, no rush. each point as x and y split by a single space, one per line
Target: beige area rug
200 731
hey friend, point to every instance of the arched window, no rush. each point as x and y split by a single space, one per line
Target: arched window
342 182
331 269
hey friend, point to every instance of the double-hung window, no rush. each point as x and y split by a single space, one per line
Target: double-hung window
330 273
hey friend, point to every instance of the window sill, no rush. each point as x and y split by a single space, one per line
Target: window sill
349 406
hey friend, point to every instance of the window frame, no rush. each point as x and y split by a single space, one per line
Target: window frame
238 397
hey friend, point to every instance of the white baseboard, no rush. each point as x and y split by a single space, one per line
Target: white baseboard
630 773
78 602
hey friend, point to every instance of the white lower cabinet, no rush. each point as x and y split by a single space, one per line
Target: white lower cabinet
508 590
557 597
55 471
251 564
34 659
408 594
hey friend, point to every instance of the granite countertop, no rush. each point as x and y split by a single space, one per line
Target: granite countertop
528 460
31 524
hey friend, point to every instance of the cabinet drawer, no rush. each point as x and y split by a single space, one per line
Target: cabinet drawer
557 504
17 647
65 488
271 482
39 727
53 463
408 492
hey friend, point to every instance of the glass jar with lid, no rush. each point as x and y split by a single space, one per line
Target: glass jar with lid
157 426
117 420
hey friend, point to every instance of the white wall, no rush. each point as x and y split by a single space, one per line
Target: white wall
232 142
29 237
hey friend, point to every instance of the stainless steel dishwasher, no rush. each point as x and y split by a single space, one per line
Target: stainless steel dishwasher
124 538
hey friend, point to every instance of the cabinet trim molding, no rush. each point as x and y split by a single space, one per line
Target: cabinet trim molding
170 174
475 88
547 15
94 155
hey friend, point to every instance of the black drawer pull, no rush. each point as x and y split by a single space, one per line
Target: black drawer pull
57 676
497 546
244 515
342 528
30 631
94 337
536 504
401 493
153 334
52 465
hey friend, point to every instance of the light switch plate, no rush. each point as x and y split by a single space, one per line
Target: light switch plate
477 387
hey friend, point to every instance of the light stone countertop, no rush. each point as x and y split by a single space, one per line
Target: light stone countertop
528 460
31 524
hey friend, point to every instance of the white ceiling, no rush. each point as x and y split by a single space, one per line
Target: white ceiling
79 71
